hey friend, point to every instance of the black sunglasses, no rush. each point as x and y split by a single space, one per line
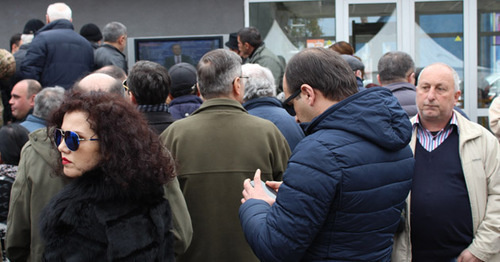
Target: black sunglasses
71 139
289 107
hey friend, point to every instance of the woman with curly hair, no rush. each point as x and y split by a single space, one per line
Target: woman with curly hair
114 210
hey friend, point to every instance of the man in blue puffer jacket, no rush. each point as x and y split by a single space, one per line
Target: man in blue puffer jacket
58 55
346 182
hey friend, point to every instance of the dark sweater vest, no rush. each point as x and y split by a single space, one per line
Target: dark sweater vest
441 219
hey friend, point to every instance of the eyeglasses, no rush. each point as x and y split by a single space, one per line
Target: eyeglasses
289 107
71 139
245 77
124 84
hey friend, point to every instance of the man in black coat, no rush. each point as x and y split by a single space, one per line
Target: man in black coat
58 55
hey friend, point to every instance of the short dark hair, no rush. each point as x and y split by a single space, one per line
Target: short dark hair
149 82
133 155
12 139
250 35
217 70
15 39
394 66
323 69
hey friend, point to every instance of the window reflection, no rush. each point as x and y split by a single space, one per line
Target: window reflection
439 36
488 86
288 27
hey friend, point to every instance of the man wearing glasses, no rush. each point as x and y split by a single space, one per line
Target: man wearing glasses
346 183
217 147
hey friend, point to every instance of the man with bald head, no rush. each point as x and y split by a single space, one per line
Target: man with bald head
100 82
22 98
58 55
456 186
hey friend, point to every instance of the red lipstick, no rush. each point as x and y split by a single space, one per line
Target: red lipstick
65 161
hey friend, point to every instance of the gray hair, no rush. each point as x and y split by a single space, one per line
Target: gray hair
217 70
47 100
112 31
456 77
59 11
260 82
394 67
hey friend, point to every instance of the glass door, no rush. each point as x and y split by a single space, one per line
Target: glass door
372 33
290 26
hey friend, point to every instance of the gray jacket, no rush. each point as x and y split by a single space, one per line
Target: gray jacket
266 58
405 93
109 55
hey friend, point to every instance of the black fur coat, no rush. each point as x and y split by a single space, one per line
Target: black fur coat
94 219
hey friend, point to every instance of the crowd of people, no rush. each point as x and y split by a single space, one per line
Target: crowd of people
155 163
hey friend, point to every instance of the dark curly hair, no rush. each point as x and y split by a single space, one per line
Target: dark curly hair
133 155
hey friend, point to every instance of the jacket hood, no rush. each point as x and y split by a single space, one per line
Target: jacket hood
374 114
58 24
43 146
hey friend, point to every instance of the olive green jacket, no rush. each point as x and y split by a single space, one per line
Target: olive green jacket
217 148
36 184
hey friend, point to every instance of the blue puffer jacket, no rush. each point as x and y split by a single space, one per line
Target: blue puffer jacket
344 187
57 56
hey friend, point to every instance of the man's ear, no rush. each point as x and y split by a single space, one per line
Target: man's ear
378 79
411 78
32 100
237 90
358 73
309 93
132 98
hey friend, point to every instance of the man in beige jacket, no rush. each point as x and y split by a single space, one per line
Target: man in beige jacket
454 202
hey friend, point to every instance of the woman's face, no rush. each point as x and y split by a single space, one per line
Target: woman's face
87 156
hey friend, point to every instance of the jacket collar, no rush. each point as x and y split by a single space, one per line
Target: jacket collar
220 104
186 99
257 51
58 24
400 86
468 130
261 101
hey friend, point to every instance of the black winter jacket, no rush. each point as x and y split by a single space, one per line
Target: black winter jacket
95 219
57 56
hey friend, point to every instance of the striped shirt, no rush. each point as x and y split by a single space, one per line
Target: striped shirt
431 140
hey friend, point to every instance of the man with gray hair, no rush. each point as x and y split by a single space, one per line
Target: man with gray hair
217 148
58 55
260 100
396 72
111 52
45 102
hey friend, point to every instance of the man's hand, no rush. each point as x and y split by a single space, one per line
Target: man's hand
258 192
467 256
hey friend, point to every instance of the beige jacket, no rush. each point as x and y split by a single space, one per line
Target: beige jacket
480 156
